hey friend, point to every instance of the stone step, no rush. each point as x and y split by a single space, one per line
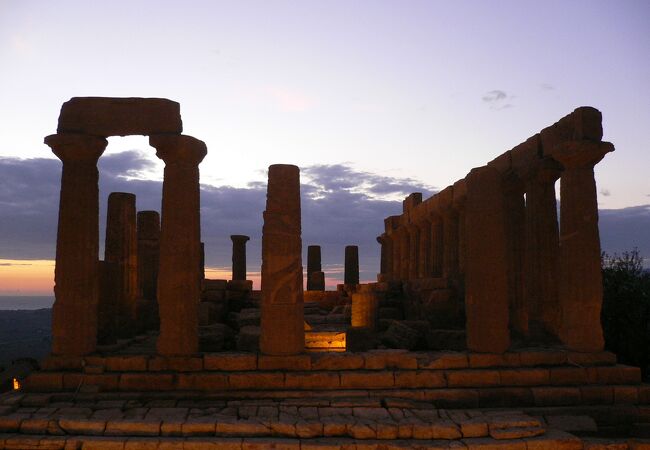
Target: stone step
552 440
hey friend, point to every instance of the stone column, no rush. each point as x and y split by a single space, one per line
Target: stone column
460 196
424 249
239 256
282 322
414 251
107 306
542 250
351 275
121 248
365 307
515 232
383 254
405 250
148 261
74 313
396 256
580 279
486 280
436 246
179 288
315 275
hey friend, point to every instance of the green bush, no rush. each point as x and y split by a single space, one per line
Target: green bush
626 309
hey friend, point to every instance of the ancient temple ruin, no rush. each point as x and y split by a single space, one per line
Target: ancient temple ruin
482 329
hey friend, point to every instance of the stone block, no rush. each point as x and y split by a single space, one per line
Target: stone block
54 363
483 360
591 358
202 382
144 427
176 363
359 339
11 422
400 335
473 427
618 374
230 361
443 361
83 426
336 361
146 382
240 285
568 376
505 397
597 395
241 428
288 362
542 358
307 429
256 380
445 429
452 398
199 426
126 363
473 378
572 423
142 443
556 396
367 380
626 395
314 380
103 116
270 443
248 339
43 382
390 359
524 377
214 285
34 426
554 440
215 297
420 379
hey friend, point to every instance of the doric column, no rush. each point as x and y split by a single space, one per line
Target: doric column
424 249
396 256
351 275
460 196
315 275
414 251
121 248
486 280
436 246
580 279
148 261
179 287
450 234
282 322
542 250
404 254
239 256
383 257
513 191
74 314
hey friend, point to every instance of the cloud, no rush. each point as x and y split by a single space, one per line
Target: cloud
498 99
605 192
340 206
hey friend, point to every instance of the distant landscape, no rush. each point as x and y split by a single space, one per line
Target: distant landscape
25 328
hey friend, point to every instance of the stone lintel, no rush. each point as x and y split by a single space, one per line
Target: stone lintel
584 123
108 116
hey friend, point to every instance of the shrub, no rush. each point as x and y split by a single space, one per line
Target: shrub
626 309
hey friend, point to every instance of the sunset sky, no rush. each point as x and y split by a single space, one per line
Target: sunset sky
372 99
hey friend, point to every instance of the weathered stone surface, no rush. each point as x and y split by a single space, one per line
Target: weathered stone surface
400 335
180 244
103 116
580 278
239 256
282 302
148 225
365 307
486 290
230 361
76 272
351 269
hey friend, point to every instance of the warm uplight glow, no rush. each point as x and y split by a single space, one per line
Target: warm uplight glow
16 384
26 277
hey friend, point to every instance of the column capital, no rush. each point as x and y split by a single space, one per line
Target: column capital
178 148
579 154
381 239
543 171
76 147
239 238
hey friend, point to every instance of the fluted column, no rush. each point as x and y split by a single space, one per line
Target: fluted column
239 256
74 313
351 268
542 250
383 257
580 278
282 322
315 275
405 250
486 280
414 250
424 249
121 248
436 246
180 243
515 232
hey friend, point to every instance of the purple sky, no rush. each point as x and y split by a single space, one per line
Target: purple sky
404 89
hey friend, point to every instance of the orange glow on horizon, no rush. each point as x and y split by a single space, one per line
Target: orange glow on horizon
26 277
